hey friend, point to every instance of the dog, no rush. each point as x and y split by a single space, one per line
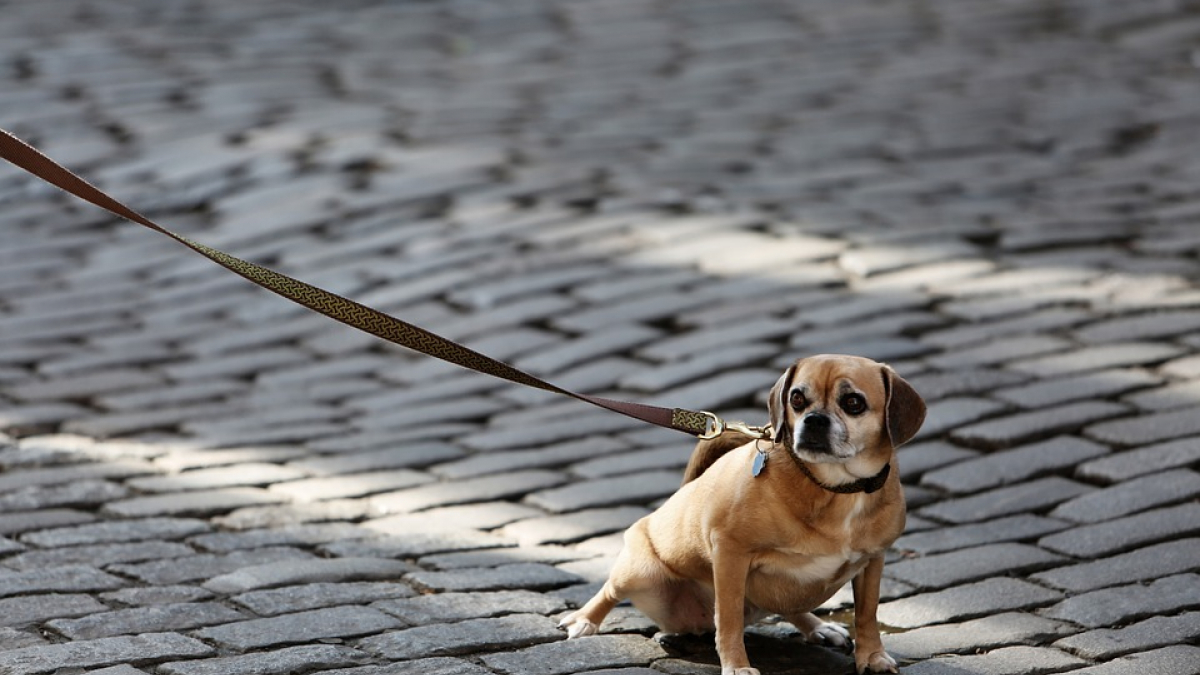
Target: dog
778 525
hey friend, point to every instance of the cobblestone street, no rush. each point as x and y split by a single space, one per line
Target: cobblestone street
664 201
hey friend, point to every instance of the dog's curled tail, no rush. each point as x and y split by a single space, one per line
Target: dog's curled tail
709 451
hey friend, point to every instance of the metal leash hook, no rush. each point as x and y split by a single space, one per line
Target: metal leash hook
718 426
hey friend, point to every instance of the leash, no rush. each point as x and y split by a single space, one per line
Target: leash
703 424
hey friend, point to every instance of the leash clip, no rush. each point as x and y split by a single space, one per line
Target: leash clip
718 426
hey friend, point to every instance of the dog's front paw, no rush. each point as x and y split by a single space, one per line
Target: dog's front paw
577 626
875 662
739 671
831 635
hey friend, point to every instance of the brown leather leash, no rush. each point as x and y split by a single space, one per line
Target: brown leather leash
698 423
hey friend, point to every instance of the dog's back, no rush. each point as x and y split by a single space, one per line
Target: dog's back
709 451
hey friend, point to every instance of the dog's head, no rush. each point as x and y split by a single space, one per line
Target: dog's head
833 408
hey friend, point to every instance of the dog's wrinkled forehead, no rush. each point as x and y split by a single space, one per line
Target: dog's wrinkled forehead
829 377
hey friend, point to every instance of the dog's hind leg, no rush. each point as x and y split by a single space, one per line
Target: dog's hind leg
636 572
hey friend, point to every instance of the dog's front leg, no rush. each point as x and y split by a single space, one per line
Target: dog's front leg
869 655
731 565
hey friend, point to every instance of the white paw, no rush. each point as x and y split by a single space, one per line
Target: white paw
739 671
578 627
877 662
831 635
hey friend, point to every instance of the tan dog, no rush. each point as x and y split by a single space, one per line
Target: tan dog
778 526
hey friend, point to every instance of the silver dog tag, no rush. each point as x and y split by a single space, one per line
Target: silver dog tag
760 461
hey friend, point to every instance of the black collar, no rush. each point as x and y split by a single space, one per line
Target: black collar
867 485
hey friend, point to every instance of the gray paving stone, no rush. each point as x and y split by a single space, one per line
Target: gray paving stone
284 535
1042 423
555 455
502 556
318 595
1150 562
1000 351
547 433
1170 397
199 502
306 571
359 461
169 617
946 414
103 652
989 632
67 579
1114 355
1131 496
1003 661
123 669
1173 660
632 462
968 601
917 459
243 474
79 494
680 371
350 485
436 608
187 459
935 539
1158 631
560 658
940 570
99 555
1099 384
317 624
574 526
507 632
84 386
205 566
156 595
1141 327
1131 463
1119 605
438 665
70 474
1145 429
1036 495
632 489
287 516
1114 536
501 486
28 609
17 522
276 662
412 542
1011 466
589 345
11 638
533 576
481 516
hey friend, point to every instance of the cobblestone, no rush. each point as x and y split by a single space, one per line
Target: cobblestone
23 610
508 632
317 624
1159 631
1112 606
441 607
165 617
1150 562
103 652
999 630
631 197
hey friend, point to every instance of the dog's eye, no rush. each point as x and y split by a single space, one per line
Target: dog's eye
798 401
854 404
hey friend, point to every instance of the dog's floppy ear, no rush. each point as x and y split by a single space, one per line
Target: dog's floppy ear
905 410
777 405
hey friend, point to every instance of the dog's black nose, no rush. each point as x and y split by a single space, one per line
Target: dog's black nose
816 421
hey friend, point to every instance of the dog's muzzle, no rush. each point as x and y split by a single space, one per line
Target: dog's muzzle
814 433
